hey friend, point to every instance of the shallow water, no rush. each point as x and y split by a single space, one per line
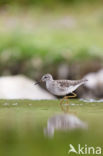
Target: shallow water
22 124
91 100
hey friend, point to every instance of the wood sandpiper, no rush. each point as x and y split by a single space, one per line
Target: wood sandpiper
61 87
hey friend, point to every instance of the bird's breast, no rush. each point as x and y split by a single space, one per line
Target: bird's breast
54 89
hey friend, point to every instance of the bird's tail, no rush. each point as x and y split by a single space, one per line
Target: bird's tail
84 80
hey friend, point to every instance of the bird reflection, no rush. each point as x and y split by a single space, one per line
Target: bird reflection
63 122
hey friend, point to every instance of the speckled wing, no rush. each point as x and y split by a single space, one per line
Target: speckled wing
63 87
68 83
63 83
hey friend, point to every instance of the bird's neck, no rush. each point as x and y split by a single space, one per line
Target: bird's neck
48 82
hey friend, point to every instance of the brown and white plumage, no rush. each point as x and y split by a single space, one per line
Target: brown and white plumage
61 87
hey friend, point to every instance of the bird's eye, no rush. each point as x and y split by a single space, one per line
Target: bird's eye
45 77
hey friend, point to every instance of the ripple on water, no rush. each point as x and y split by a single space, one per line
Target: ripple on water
91 100
15 104
5 104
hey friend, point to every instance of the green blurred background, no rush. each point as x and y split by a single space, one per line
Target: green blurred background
40 36
64 38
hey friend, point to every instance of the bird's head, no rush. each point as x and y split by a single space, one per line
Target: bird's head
45 78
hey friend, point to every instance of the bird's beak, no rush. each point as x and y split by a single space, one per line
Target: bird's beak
37 82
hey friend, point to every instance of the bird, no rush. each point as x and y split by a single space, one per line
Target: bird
61 87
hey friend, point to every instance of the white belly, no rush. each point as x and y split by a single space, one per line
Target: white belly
61 91
56 90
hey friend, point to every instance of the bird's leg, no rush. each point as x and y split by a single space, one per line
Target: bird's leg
66 98
73 95
61 103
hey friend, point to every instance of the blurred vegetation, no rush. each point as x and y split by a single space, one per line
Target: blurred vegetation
45 2
35 40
